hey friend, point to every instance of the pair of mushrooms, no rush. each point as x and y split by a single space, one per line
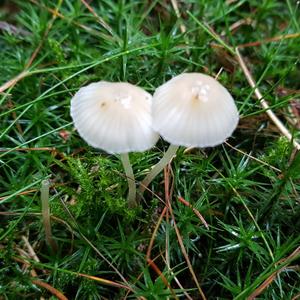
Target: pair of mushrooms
191 109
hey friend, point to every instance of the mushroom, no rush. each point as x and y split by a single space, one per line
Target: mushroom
192 110
115 117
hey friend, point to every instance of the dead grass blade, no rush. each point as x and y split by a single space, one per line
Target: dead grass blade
263 102
296 297
13 81
178 15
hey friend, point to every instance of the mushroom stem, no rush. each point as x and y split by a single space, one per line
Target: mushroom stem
130 179
157 168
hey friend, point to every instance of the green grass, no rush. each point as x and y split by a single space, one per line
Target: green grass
252 206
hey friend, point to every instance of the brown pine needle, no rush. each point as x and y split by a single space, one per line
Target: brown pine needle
59 295
148 255
161 275
26 265
20 194
168 196
196 211
106 281
50 24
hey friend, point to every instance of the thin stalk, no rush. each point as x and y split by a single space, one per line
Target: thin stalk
46 214
158 168
130 179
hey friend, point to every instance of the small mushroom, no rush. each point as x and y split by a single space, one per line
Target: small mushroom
192 110
115 117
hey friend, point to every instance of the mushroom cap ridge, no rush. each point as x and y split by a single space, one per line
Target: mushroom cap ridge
194 110
114 116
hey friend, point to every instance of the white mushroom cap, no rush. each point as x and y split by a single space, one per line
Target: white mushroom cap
115 117
194 110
